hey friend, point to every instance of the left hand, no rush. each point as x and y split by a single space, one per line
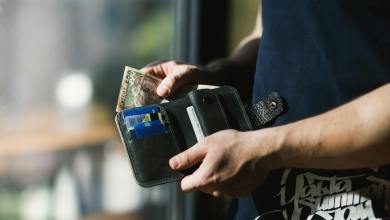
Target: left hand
233 163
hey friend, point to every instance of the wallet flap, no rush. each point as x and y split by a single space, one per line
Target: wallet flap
234 108
209 110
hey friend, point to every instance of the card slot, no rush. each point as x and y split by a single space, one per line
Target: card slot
150 159
149 156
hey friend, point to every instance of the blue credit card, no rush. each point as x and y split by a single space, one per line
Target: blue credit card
143 121
134 116
141 110
133 120
147 129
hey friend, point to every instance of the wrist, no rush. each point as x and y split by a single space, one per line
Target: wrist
283 153
270 147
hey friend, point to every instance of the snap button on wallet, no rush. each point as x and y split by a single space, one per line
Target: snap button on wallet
153 134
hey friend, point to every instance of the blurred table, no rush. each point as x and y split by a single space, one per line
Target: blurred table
44 129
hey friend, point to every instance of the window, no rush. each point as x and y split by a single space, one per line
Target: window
61 67
242 20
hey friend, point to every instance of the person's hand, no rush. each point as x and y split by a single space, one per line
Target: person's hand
233 163
174 75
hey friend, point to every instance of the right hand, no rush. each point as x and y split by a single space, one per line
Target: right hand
174 75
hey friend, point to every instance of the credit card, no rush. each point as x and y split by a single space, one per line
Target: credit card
133 120
147 129
135 116
143 121
141 110
195 123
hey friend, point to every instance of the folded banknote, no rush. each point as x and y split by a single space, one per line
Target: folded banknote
137 89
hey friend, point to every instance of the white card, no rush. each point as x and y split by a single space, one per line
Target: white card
195 123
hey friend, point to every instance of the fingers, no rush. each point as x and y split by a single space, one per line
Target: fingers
191 182
204 178
174 75
216 193
166 86
155 63
201 179
157 70
188 158
160 68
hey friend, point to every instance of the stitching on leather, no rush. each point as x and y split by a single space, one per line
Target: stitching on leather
119 126
162 181
130 154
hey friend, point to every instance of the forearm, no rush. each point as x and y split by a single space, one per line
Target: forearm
355 135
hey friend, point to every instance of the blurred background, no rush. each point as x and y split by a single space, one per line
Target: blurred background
61 65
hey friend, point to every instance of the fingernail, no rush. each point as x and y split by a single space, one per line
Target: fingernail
146 69
216 194
173 163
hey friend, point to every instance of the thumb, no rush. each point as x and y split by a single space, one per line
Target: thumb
176 76
191 182
167 85
188 158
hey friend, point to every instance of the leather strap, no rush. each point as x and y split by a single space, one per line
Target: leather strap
266 110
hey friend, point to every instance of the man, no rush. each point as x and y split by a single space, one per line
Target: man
328 156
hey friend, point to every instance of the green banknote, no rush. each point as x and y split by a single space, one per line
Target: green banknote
137 89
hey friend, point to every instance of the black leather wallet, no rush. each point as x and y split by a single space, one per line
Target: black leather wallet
214 110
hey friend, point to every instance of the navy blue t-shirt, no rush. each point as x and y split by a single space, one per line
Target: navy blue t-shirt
320 54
